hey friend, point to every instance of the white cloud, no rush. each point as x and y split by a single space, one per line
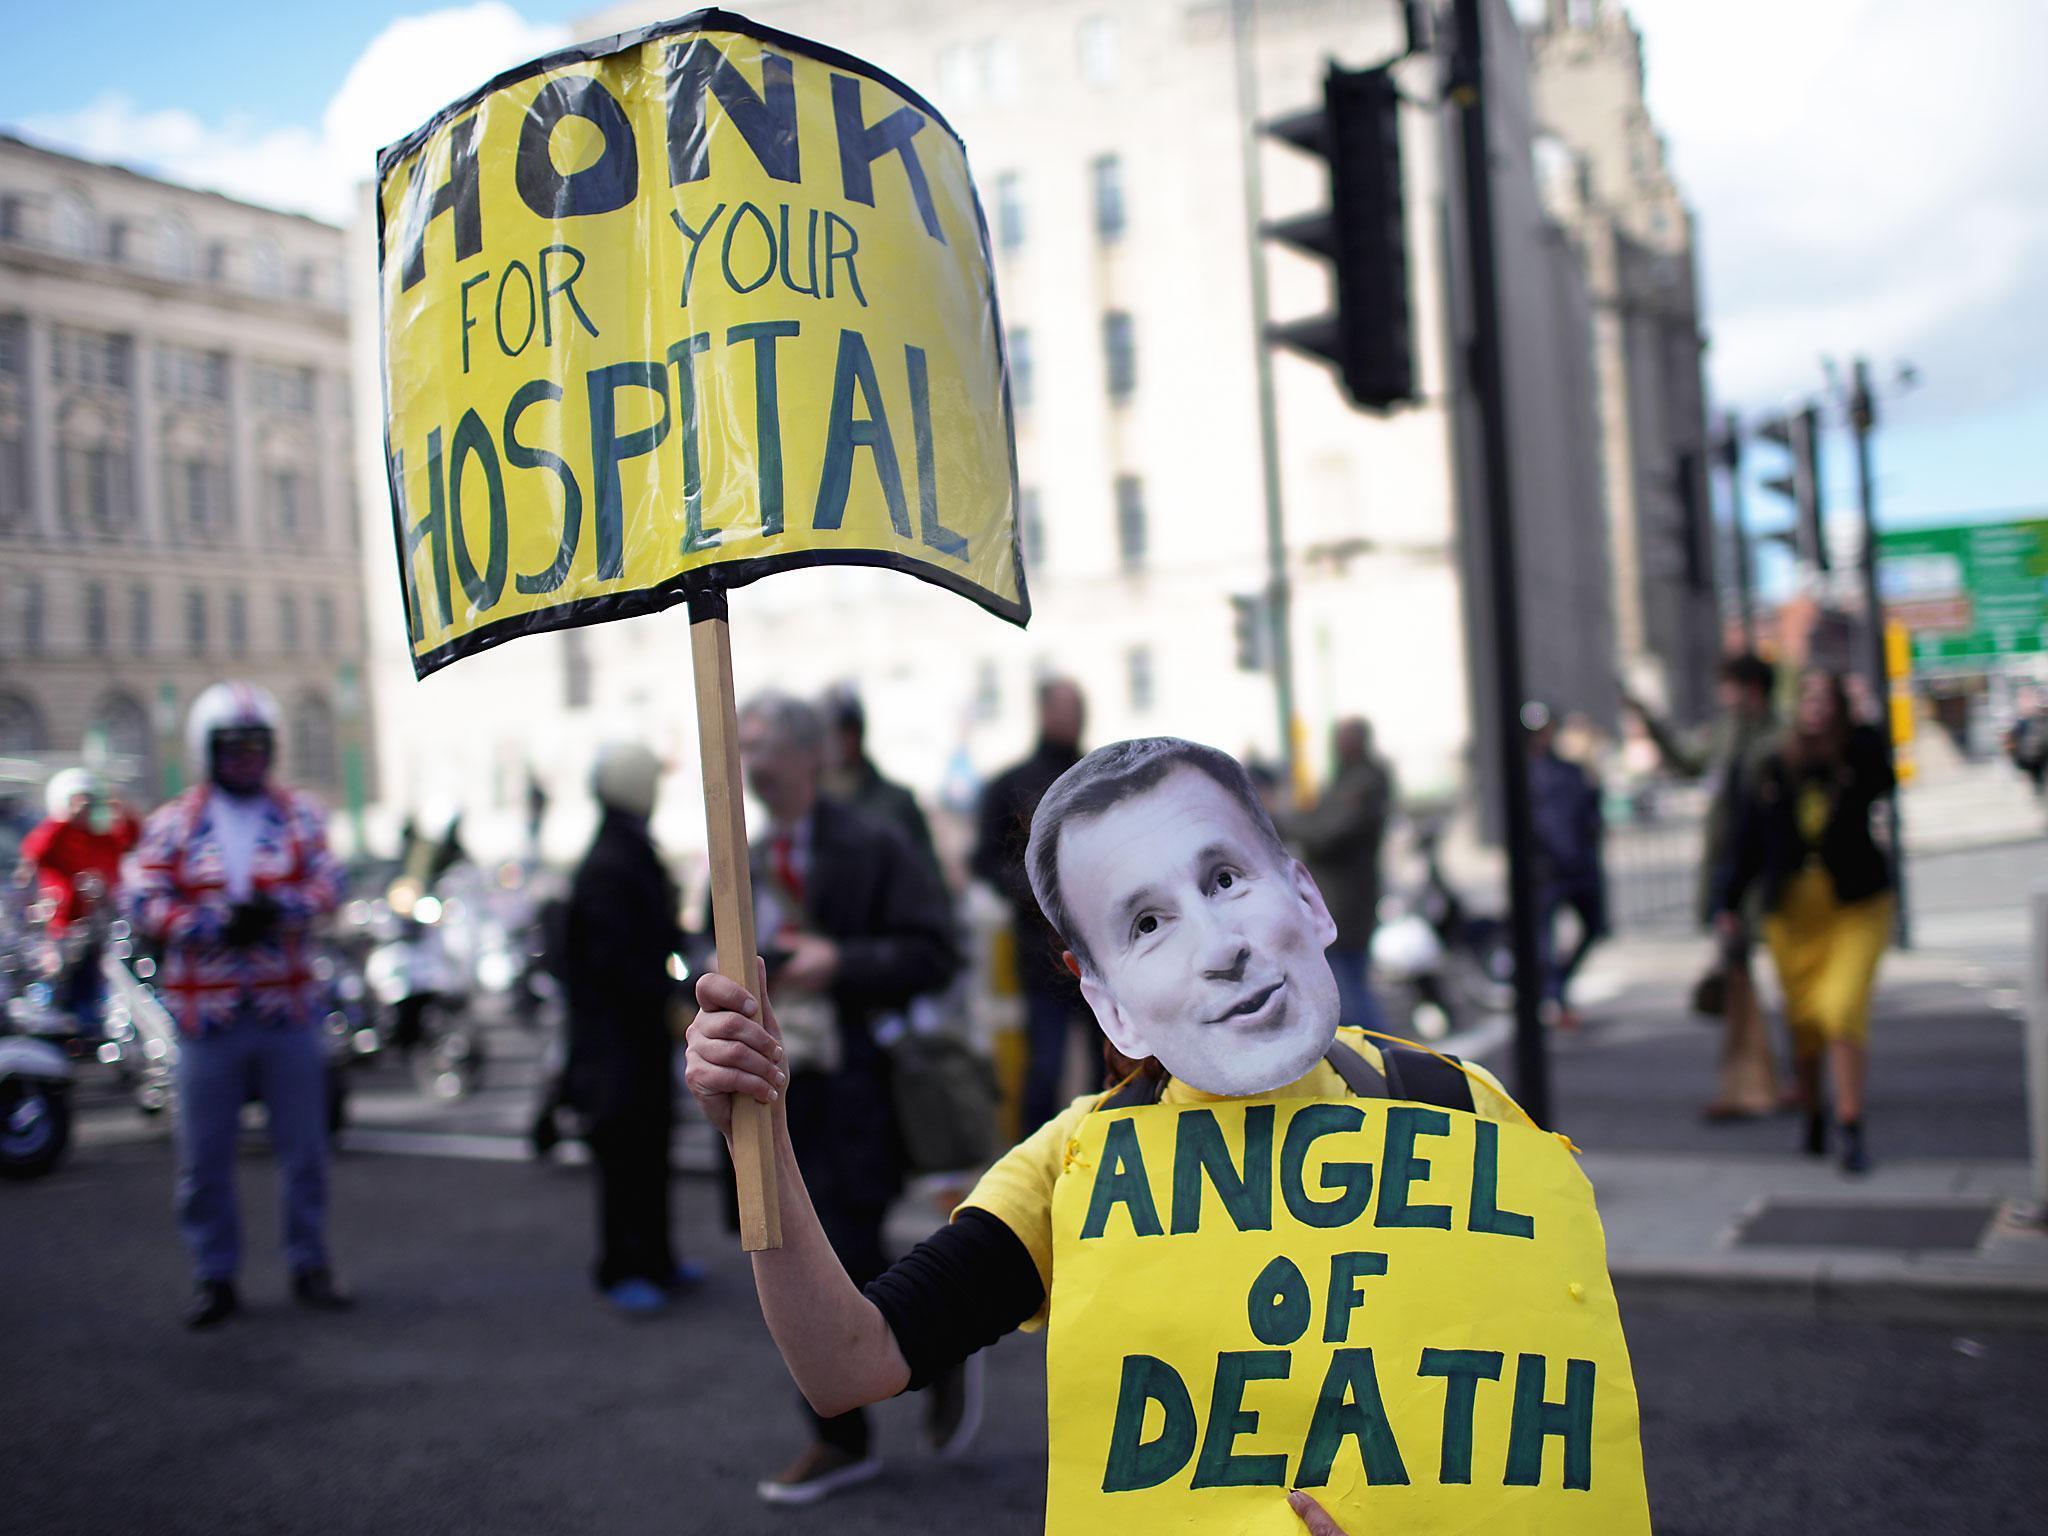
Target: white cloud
1867 177
411 69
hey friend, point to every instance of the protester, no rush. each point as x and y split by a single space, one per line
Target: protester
852 778
854 924
619 930
1179 904
1340 838
226 880
1564 802
2026 742
1727 754
1804 844
75 855
1052 1007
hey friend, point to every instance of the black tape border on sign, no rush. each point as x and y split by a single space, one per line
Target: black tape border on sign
699 584
695 588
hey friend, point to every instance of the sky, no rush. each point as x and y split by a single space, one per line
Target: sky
1866 176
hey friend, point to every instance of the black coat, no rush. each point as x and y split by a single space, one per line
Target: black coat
620 928
1004 830
880 902
1769 847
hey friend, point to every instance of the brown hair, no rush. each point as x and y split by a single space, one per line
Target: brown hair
1811 749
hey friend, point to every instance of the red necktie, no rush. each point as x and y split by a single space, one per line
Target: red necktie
783 855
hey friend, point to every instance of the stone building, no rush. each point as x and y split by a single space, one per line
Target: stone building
1612 188
177 502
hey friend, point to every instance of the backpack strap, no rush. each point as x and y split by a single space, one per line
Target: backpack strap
1426 1078
1138 1092
1358 1073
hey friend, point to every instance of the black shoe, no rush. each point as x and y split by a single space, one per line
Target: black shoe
1855 1157
316 1288
213 1301
1816 1133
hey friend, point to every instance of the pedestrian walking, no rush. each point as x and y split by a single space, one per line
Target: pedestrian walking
1804 844
226 881
1340 838
1728 754
1564 803
1053 1011
619 929
2026 742
853 925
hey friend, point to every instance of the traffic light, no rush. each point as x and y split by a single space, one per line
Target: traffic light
1363 235
1248 619
1799 435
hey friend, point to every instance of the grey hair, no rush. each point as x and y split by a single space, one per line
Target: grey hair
1108 776
796 722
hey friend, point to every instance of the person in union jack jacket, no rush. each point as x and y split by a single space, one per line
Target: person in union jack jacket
226 881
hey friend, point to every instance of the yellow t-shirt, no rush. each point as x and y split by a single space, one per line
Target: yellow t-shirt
1017 1191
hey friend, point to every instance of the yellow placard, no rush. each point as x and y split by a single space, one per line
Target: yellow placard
673 311
1403 1310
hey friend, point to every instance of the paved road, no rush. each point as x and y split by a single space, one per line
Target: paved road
481 1389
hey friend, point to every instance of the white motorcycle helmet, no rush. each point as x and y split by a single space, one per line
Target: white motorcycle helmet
67 785
226 707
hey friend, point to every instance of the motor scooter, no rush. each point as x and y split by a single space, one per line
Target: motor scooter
418 974
36 1073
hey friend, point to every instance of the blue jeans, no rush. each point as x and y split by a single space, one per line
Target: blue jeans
1357 1008
217 1074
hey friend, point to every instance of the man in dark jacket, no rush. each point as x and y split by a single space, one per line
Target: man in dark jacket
853 924
1052 1003
620 931
1339 838
1564 804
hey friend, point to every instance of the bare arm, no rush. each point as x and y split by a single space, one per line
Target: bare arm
833 1339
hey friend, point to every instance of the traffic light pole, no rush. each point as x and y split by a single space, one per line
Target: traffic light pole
1279 604
1468 91
1731 456
1862 417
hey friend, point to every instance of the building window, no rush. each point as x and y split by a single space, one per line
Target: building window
1106 174
96 618
28 614
72 228
288 622
190 374
987 702
266 268
290 509
195 621
1032 524
954 73
1130 522
314 758
323 623
98 359
1010 211
280 390
575 669
1020 368
176 253
98 487
141 621
1138 677
997 62
1120 354
1095 50
197 490
238 623
13 346
21 726
13 481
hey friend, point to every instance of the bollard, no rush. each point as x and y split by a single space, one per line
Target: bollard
2037 1047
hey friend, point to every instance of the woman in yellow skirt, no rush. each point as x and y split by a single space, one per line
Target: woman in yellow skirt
1803 834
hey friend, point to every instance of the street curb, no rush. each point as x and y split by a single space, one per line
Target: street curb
1930 1298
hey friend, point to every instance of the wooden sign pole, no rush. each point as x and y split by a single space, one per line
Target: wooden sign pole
732 902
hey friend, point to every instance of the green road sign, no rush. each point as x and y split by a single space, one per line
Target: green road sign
1969 595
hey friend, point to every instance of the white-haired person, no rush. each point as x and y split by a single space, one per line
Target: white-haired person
226 881
1199 944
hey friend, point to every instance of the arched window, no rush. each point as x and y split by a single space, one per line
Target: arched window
314 760
177 254
266 268
21 726
121 736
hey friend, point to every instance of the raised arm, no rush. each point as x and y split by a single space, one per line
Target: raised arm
835 1341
